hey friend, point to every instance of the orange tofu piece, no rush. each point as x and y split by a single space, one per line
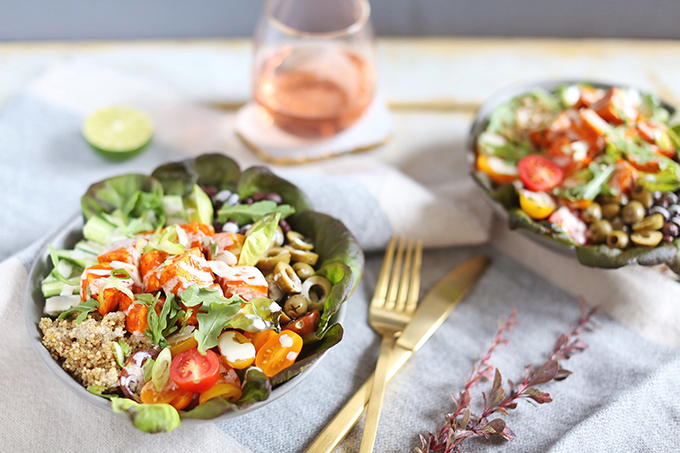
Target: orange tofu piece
244 281
93 279
122 254
196 232
147 263
182 271
614 109
624 177
650 133
231 242
562 123
589 96
136 319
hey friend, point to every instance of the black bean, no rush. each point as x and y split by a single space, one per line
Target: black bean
670 197
210 191
284 226
674 210
656 195
230 227
676 220
244 229
668 239
275 197
670 229
248 200
258 196
660 210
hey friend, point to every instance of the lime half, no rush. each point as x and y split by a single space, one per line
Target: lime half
118 132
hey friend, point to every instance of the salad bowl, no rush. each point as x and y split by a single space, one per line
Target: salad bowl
504 194
340 257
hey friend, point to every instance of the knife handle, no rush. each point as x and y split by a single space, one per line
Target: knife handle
344 420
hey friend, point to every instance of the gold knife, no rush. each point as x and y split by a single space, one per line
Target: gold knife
430 314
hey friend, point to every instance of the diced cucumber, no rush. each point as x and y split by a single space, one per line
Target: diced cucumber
90 247
51 287
97 229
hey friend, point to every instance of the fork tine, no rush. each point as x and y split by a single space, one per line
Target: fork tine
391 299
414 289
383 279
406 277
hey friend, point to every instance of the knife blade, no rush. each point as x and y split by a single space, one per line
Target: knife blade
430 314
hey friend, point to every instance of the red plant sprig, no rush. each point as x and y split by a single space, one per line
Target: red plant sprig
463 424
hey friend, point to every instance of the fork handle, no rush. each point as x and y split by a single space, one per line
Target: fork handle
377 393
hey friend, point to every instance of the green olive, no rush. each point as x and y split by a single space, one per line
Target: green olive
302 256
296 306
275 292
316 289
633 212
646 238
610 210
592 213
620 199
279 238
617 224
271 257
298 241
303 270
617 240
286 278
653 222
598 231
644 196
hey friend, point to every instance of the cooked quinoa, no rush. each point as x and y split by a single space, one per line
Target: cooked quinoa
87 350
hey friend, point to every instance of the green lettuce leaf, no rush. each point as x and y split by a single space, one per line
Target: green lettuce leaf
150 418
124 198
258 240
260 179
207 170
248 213
198 206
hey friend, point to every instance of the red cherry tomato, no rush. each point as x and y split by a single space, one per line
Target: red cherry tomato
539 174
194 372
304 325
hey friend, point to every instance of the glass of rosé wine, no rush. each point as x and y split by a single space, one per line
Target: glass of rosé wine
313 68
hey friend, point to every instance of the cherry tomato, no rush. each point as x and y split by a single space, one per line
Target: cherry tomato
237 349
194 372
538 173
306 324
183 345
496 169
259 339
169 394
538 205
228 391
279 353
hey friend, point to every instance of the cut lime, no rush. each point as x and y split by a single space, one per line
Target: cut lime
118 132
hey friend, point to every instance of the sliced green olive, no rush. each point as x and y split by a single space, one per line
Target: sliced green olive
316 289
646 238
298 241
302 256
617 240
633 212
286 278
644 196
275 292
303 270
610 210
271 257
653 222
279 238
296 306
592 213
598 231
617 224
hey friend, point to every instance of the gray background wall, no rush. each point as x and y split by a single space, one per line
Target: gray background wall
135 19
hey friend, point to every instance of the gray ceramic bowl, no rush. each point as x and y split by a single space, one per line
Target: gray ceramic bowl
34 303
480 124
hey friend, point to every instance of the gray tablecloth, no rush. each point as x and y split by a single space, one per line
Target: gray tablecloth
620 397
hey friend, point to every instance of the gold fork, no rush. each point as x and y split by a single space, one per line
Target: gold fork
392 306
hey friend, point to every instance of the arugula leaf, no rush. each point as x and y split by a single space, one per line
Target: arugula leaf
244 213
211 323
194 295
83 308
258 240
590 189
159 325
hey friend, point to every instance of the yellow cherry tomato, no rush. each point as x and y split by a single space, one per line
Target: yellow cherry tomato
237 349
496 169
228 391
183 345
538 205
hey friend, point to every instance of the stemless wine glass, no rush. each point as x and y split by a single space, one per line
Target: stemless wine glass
313 66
